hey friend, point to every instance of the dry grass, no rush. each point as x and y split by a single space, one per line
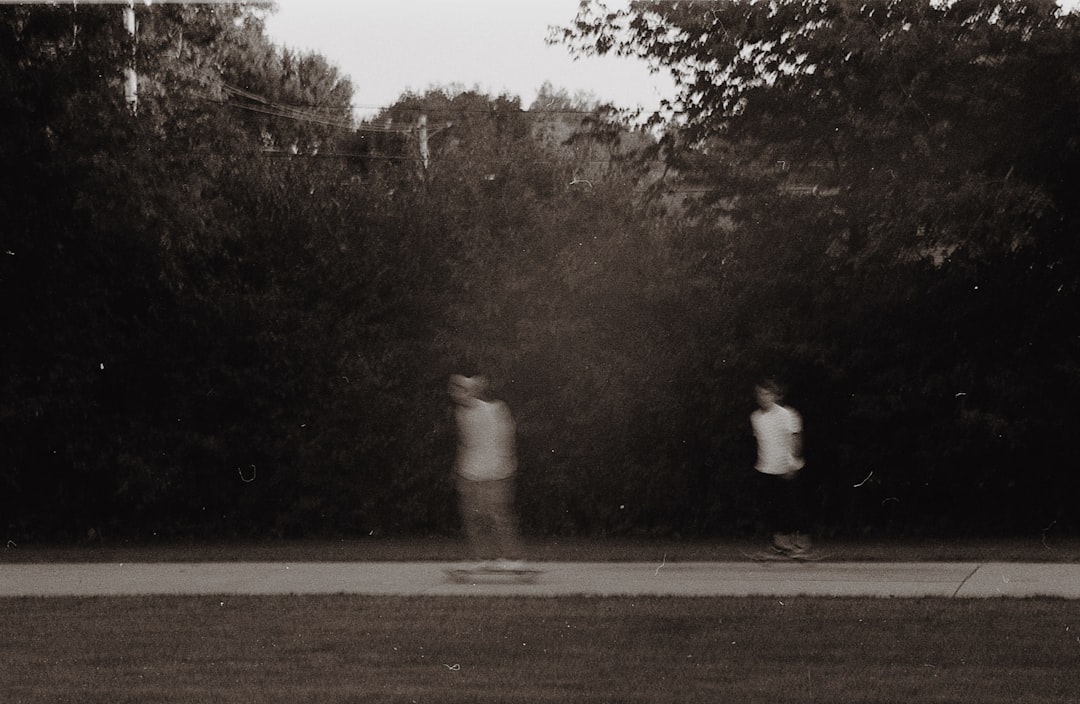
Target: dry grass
476 650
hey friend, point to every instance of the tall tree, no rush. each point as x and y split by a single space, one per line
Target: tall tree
143 374
942 137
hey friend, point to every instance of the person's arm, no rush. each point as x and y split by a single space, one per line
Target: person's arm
796 445
796 441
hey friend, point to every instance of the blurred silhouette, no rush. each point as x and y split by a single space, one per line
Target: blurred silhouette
778 431
485 468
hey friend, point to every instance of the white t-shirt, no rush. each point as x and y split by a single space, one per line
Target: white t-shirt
486 442
774 429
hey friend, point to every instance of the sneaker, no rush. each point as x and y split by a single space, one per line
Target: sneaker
802 543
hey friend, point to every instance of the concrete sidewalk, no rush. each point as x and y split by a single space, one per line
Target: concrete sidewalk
779 579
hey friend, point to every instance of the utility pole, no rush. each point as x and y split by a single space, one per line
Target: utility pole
425 155
131 79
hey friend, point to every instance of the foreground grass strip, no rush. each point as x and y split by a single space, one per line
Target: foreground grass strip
685 650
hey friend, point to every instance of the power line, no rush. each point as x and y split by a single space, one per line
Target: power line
268 107
483 111
467 111
540 112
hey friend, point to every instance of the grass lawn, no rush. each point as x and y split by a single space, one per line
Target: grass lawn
475 650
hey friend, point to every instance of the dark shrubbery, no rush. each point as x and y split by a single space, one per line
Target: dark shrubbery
210 336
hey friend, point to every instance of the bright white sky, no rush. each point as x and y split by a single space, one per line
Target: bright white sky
388 47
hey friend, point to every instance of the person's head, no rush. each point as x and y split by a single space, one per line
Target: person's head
767 393
464 390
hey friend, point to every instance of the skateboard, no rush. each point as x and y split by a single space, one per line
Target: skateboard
773 556
473 575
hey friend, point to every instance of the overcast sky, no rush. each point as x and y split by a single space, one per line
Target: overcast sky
386 47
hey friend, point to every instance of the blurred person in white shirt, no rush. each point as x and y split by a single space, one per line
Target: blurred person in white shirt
778 431
485 468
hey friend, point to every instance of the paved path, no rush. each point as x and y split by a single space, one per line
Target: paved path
877 579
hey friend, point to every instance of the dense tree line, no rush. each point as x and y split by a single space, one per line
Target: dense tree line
233 312
924 305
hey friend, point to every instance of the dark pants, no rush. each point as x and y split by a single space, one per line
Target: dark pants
487 515
780 503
